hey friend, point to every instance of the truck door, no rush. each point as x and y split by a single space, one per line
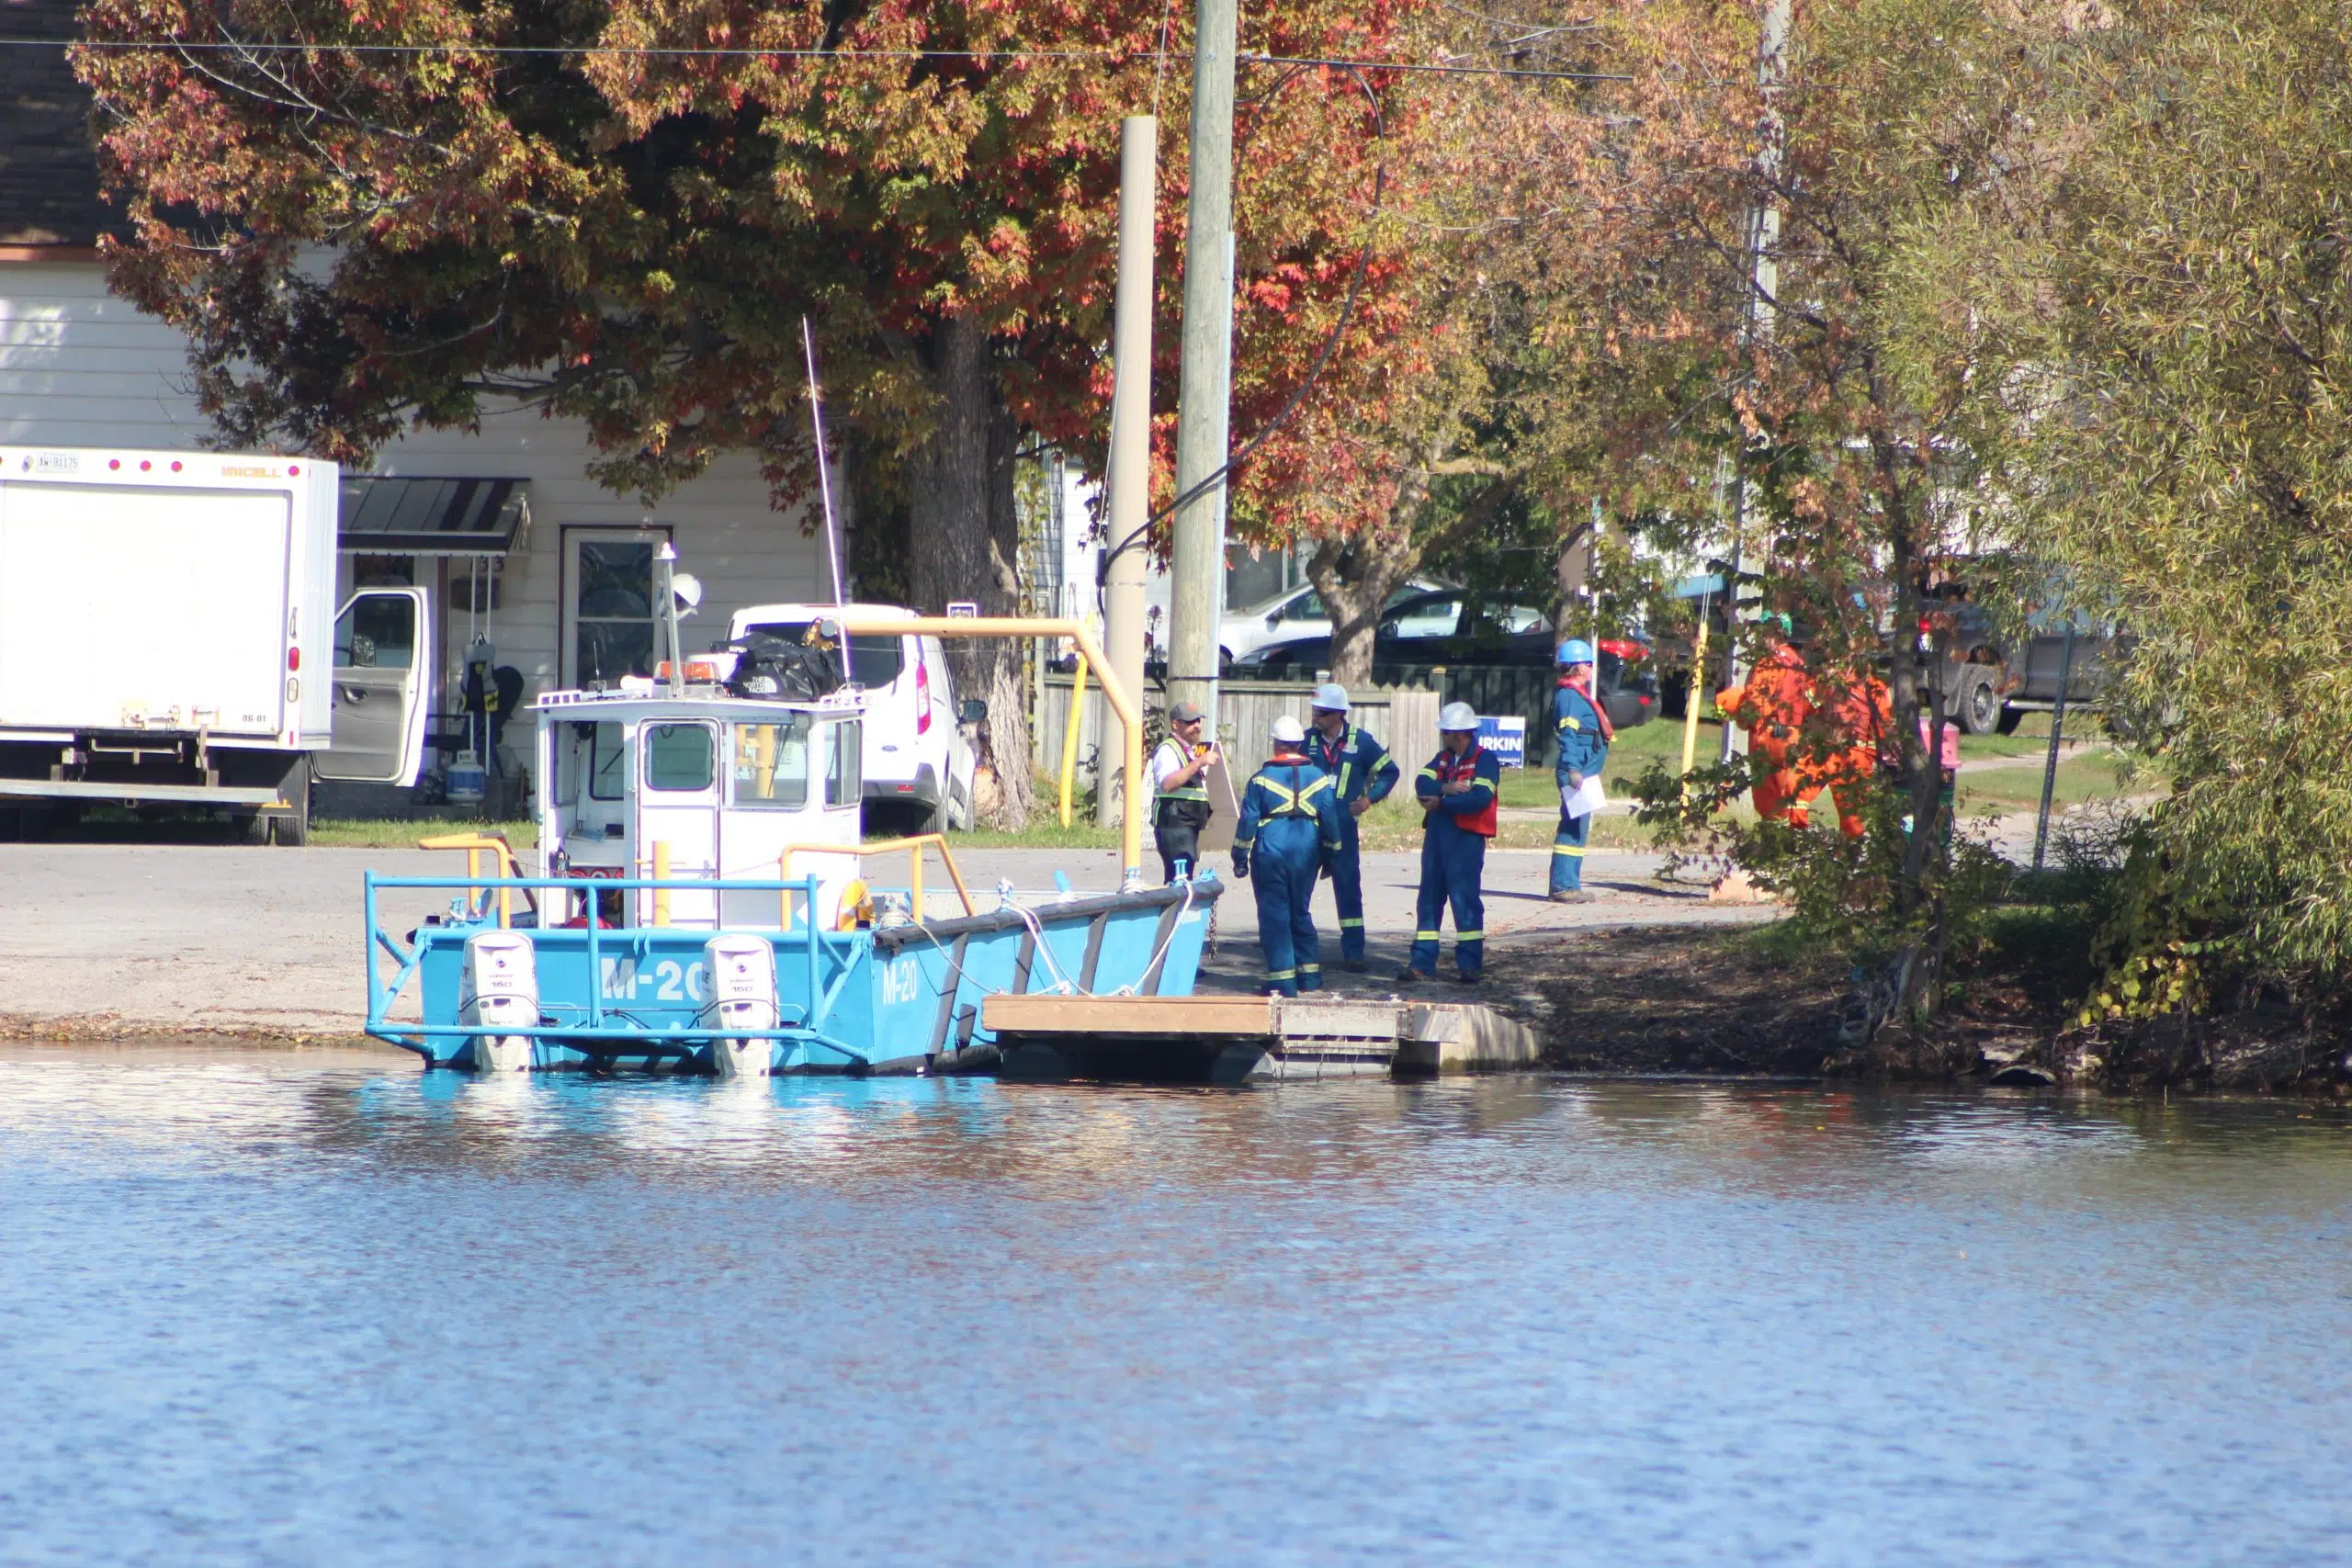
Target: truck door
677 806
383 655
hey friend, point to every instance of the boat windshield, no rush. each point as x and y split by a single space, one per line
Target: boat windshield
770 769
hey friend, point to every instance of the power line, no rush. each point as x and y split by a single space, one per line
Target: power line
1438 68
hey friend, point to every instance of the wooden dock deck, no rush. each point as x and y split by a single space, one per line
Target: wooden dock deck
1222 1039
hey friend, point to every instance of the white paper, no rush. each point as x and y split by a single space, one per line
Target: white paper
1585 799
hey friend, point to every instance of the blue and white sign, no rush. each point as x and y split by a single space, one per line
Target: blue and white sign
1506 738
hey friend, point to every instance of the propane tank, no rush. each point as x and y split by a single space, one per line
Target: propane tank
500 988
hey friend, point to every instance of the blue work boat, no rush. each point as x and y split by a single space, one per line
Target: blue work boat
704 902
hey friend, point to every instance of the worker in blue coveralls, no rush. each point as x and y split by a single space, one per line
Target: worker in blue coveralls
1457 793
1366 773
1289 831
1581 727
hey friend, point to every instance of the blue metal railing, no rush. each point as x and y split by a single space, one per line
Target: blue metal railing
382 994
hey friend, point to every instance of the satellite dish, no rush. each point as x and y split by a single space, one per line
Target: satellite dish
687 587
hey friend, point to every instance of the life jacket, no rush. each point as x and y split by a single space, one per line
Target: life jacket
1449 768
1608 730
1185 807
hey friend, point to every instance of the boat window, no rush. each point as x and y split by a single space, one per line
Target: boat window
678 757
770 764
843 784
608 763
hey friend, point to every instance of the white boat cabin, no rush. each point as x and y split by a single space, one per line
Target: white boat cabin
699 785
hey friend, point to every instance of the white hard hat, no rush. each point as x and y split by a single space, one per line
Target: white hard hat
1457 716
1331 697
1287 729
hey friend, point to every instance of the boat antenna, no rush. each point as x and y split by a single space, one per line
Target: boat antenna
824 481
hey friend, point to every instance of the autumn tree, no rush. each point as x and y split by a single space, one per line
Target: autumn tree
364 217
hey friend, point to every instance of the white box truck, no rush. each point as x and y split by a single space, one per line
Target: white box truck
169 637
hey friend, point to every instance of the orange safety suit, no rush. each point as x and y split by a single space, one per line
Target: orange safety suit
1857 719
1772 707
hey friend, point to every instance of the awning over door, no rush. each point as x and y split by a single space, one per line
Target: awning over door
433 516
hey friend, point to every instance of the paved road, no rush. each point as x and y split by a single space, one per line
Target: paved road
116 937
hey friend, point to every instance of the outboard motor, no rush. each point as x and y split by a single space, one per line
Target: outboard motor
742 995
500 988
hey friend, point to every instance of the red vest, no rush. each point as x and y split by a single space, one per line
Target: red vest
1450 768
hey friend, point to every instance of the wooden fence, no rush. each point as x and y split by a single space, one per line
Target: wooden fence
1404 717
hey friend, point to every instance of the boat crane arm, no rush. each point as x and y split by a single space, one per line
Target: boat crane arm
1123 702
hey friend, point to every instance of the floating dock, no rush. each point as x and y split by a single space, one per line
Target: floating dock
1243 1039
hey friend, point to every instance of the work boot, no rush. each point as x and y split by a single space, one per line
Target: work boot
1466 977
1572 895
1411 976
1355 966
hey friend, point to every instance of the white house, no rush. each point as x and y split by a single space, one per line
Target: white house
505 527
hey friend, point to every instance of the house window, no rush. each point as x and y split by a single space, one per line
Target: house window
609 629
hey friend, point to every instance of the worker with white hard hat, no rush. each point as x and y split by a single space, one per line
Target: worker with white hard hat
1457 792
1364 773
1289 830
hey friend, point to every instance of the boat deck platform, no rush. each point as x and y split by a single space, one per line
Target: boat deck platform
1240 1039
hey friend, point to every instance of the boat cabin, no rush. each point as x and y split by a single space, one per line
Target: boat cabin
697 785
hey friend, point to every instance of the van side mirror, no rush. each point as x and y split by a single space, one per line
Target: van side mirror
971 710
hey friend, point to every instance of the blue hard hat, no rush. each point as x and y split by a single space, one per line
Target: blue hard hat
1576 651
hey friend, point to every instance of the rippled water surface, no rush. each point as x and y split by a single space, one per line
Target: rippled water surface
264 1307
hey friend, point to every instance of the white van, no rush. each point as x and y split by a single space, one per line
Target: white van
918 760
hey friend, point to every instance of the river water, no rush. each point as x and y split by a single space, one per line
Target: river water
265 1307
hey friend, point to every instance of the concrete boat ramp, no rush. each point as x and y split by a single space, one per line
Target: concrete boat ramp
1229 1039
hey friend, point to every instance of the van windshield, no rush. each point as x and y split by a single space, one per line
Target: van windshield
875 660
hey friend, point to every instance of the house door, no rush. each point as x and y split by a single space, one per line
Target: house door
609 625
677 806
383 655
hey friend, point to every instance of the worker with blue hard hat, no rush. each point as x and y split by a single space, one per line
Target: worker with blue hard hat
1289 830
1581 729
1457 793
1364 773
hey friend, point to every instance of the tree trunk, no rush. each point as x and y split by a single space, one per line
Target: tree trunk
960 509
1354 583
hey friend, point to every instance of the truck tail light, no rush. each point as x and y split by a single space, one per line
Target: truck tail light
293 658
923 693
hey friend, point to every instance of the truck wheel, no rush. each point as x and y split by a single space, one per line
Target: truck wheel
2010 718
293 829
1979 706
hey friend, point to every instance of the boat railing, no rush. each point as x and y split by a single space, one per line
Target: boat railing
382 994
913 844
477 847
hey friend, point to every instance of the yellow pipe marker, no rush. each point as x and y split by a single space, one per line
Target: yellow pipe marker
660 874
1070 736
1690 708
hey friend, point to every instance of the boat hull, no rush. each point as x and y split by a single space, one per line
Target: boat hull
903 999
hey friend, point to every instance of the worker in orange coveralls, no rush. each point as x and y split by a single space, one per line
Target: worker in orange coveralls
1857 719
1772 707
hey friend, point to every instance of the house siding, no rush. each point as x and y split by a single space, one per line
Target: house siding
81 367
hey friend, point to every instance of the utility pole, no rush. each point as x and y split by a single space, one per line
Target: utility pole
1130 464
1764 274
1196 596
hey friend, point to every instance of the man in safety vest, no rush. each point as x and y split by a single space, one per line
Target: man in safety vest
1457 793
1289 830
1581 726
1772 706
1180 800
1366 773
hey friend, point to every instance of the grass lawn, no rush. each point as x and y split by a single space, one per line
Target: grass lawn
2096 776
393 833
